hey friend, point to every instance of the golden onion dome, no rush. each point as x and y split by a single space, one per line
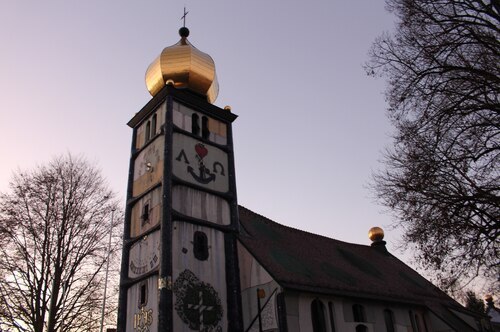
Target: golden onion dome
186 66
376 234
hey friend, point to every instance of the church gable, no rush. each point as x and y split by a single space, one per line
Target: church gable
258 290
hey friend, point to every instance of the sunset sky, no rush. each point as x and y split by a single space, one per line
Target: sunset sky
311 126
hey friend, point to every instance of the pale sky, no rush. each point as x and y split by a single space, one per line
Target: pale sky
311 126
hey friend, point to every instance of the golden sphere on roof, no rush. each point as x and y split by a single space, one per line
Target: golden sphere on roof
186 67
376 234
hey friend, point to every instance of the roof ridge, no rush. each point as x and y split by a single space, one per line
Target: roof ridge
290 228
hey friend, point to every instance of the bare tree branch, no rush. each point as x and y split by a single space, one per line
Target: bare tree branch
442 176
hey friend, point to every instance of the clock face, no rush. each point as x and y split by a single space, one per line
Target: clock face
144 255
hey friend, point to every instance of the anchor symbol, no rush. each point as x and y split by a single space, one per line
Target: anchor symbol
204 176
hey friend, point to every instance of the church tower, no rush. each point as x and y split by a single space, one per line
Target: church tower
179 267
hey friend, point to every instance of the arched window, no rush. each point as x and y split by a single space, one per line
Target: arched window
195 126
358 312
389 320
200 246
361 328
420 323
153 125
414 326
331 311
318 316
143 294
205 132
148 131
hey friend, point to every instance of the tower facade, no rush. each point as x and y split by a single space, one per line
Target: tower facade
179 263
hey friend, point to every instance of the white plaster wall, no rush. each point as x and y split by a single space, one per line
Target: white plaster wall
304 318
201 205
298 308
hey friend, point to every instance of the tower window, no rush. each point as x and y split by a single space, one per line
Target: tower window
358 312
200 246
205 133
145 213
148 131
153 125
143 294
195 126
318 316
389 320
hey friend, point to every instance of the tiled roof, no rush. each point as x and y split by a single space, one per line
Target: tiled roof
308 262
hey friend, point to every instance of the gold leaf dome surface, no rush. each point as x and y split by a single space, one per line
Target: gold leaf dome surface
186 66
376 234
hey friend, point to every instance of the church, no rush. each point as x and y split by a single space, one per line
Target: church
195 260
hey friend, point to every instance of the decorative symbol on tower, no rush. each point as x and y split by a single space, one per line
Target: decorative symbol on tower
197 303
200 163
143 320
204 176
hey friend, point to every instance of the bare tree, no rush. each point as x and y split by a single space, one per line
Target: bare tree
54 226
442 173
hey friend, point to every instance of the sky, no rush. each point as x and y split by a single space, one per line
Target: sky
311 128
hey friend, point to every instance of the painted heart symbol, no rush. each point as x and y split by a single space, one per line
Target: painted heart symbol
201 150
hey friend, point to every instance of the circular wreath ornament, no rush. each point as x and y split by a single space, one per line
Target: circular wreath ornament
197 303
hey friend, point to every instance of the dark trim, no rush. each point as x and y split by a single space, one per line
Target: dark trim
132 281
133 240
122 296
165 302
206 141
227 195
144 113
235 310
235 216
199 103
135 199
179 217
137 151
188 98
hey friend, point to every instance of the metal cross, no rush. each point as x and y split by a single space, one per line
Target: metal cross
184 16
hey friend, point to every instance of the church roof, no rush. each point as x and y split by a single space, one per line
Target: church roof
308 262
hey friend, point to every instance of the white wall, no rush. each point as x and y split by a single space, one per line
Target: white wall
298 308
